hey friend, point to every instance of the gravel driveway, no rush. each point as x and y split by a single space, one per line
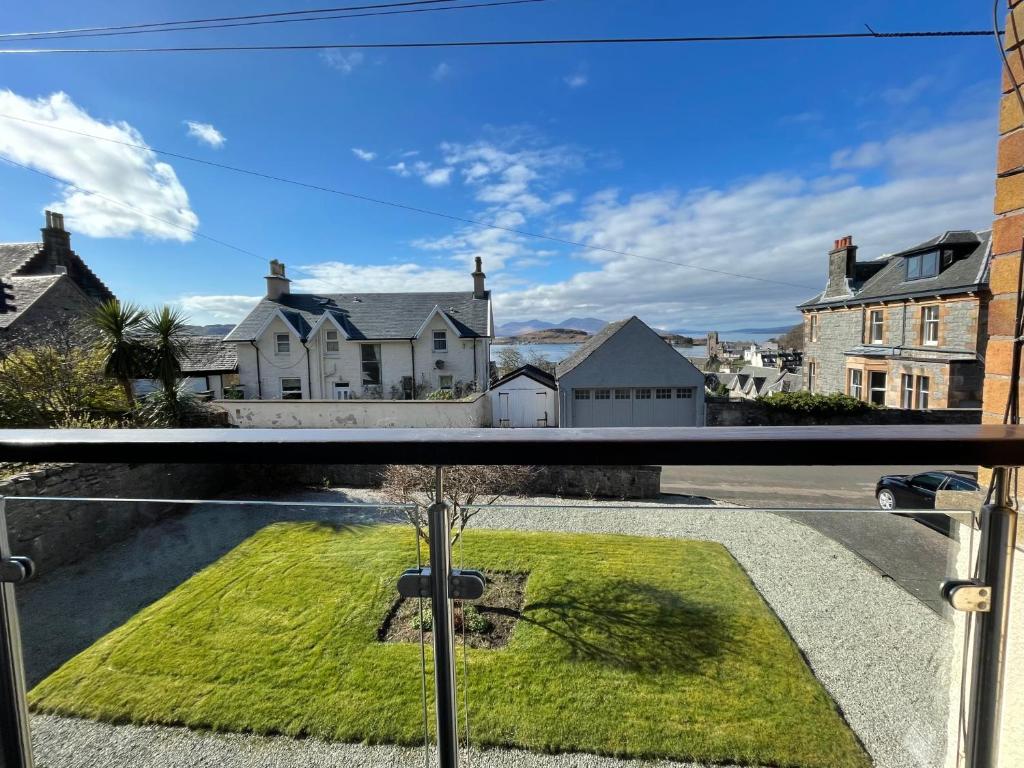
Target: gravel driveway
882 655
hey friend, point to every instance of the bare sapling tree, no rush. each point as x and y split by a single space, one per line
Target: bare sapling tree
465 488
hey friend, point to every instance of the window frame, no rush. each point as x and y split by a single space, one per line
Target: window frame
810 375
928 324
813 330
919 265
684 393
623 394
855 388
378 361
923 387
328 341
663 393
907 398
642 393
291 393
872 389
880 326
287 339
442 337
602 394
451 382
581 394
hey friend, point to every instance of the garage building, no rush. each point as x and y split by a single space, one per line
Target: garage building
626 375
524 398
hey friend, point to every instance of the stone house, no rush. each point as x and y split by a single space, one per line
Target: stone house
45 282
906 330
382 346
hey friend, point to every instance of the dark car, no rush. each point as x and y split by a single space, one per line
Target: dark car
918 491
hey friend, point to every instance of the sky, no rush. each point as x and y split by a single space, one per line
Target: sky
735 158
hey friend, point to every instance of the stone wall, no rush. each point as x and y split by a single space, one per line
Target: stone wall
748 413
54 533
314 414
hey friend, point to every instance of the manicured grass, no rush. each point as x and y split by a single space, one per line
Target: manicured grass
627 646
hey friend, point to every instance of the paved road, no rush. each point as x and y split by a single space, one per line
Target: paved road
915 557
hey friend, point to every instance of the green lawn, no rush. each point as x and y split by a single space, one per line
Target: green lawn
627 646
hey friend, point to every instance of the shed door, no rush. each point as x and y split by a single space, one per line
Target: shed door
524 408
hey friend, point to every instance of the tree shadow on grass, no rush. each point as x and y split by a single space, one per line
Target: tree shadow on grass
634 626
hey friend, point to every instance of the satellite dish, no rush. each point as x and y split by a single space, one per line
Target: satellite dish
439 364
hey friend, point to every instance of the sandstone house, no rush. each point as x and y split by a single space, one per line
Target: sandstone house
906 330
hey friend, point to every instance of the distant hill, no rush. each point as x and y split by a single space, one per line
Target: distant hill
210 330
546 336
773 329
587 324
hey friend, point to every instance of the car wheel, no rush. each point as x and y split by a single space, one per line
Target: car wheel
886 500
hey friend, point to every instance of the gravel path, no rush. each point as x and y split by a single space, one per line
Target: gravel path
882 655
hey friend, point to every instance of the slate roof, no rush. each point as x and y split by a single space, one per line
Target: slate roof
370 316
209 354
539 375
13 256
20 293
587 348
885 278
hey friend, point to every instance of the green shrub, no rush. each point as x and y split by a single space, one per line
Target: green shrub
469 615
814 404
441 394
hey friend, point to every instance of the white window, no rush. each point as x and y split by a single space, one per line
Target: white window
370 360
440 341
332 345
602 394
643 394
930 325
923 390
291 389
663 393
810 376
907 391
857 383
581 394
876 330
876 387
444 383
684 393
622 394
813 331
282 343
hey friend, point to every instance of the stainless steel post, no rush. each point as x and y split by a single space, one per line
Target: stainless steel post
443 628
15 741
988 659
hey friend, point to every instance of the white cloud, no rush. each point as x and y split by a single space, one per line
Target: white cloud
345 62
776 226
205 133
364 154
124 173
438 177
442 71
225 309
577 80
901 96
401 169
339 277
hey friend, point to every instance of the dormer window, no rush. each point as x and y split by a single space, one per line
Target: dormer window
282 344
923 265
440 341
331 342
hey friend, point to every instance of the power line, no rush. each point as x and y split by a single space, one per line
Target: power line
130 207
225 18
519 43
468 6
405 207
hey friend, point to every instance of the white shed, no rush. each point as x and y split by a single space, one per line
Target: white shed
524 398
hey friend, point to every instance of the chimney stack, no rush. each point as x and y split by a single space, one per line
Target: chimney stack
56 241
842 264
277 283
479 291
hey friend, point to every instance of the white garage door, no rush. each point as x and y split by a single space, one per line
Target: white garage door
634 407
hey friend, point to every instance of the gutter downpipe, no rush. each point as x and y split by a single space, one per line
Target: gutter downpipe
412 357
259 377
309 370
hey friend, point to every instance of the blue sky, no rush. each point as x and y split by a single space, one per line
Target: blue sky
749 158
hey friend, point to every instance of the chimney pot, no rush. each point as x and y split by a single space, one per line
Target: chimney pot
277 283
479 289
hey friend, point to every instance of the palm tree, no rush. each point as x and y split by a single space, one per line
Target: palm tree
168 344
120 326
